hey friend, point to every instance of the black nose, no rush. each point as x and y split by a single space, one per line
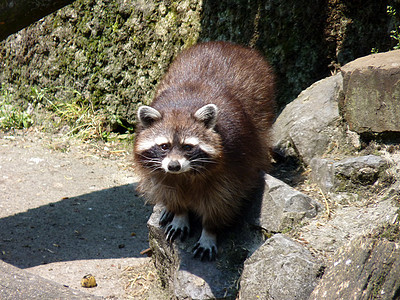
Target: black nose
174 166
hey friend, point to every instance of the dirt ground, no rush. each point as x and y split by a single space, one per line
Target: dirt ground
68 209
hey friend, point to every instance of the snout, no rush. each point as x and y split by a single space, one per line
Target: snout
175 165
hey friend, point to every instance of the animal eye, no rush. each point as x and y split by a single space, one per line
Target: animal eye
187 147
164 147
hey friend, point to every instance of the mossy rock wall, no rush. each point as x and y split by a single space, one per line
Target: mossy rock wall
114 52
110 52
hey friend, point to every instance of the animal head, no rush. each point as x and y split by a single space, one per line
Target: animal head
176 141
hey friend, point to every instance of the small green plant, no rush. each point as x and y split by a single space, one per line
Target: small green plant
395 33
374 50
11 116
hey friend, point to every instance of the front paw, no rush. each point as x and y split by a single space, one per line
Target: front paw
179 226
206 247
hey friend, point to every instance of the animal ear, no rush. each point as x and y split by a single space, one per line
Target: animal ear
147 115
208 115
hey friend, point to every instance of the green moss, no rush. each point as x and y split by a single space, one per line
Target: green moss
378 285
286 230
113 55
390 232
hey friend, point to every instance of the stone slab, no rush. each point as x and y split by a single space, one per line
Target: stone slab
280 269
371 87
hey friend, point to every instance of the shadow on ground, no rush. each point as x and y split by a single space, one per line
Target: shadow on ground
109 223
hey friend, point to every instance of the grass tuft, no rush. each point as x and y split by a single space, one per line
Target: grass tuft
76 116
11 116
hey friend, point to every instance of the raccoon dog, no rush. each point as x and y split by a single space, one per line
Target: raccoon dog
202 143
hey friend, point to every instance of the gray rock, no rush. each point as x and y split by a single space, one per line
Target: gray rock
347 174
371 93
283 207
308 125
368 268
325 236
279 269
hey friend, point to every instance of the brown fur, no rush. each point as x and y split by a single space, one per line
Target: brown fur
241 84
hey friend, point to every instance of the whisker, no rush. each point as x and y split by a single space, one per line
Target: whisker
151 163
146 157
204 160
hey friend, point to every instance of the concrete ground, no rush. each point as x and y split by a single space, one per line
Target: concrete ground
68 209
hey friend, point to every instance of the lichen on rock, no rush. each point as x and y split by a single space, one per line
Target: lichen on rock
112 52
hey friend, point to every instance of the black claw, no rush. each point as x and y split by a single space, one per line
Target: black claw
184 234
166 217
196 250
168 232
204 254
213 254
172 234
